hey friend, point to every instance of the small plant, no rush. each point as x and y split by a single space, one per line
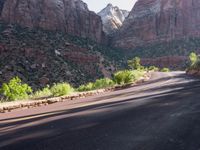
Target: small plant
193 58
61 89
87 87
196 65
127 76
165 70
134 63
153 68
103 83
194 61
45 92
15 90
123 77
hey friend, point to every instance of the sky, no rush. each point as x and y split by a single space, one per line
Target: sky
97 5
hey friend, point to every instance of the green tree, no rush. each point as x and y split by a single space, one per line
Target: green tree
15 89
134 63
193 58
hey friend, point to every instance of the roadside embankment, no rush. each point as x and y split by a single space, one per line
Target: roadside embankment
9 106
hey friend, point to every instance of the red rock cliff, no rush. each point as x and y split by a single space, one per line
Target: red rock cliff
71 16
159 20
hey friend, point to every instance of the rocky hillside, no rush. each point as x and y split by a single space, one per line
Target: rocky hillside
40 57
112 18
49 41
153 21
70 16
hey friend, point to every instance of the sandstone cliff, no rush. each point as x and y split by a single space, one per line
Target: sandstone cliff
70 16
173 62
159 20
112 18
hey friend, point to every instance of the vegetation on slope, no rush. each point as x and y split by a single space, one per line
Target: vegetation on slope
15 89
42 57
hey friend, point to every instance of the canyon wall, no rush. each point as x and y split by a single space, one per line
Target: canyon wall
70 16
159 20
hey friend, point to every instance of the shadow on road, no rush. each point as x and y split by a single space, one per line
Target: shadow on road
73 124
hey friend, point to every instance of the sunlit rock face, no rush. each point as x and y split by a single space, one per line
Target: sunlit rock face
159 20
70 16
112 18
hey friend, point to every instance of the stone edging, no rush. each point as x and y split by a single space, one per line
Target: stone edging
8 107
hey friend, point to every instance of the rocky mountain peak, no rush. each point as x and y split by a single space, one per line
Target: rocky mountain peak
109 5
112 18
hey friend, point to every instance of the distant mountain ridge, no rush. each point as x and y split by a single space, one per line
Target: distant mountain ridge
112 18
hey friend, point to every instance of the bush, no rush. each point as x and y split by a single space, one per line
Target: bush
15 90
194 61
165 70
134 63
153 68
61 89
193 58
98 84
45 92
127 76
196 65
103 83
87 87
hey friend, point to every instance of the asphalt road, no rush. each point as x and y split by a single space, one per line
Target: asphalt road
161 114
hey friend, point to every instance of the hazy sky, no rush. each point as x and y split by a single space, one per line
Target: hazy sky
97 5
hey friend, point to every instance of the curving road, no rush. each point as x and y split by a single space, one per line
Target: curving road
161 114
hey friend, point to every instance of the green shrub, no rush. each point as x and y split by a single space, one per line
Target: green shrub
45 92
134 63
61 89
153 68
194 61
196 65
127 76
165 70
123 77
103 83
193 58
87 87
15 90
98 84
